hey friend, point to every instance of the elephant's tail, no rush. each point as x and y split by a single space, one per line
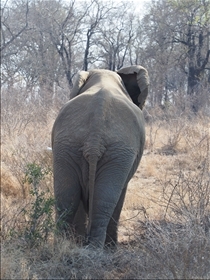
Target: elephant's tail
92 156
92 160
92 153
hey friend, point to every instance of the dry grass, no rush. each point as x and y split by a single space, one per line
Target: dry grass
164 229
162 252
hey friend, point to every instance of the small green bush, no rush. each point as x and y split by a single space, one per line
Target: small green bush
39 213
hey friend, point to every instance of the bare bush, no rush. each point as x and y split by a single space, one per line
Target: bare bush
25 137
187 197
176 251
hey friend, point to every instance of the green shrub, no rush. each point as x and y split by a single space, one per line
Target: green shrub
39 213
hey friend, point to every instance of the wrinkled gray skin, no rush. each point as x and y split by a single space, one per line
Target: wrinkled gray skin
97 141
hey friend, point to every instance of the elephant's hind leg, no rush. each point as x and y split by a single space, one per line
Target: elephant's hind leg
109 193
67 191
79 222
112 229
111 234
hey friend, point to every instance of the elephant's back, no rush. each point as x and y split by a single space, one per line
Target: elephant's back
112 117
126 123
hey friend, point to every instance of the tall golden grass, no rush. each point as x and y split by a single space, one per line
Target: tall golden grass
164 229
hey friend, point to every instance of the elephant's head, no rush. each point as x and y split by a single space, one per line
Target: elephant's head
135 79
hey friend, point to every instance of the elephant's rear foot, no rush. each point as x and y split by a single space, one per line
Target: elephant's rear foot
111 242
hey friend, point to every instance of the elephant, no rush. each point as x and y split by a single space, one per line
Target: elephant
97 142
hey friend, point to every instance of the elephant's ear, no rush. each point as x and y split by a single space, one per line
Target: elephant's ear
136 81
80 80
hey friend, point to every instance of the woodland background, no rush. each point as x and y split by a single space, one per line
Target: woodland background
44 44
